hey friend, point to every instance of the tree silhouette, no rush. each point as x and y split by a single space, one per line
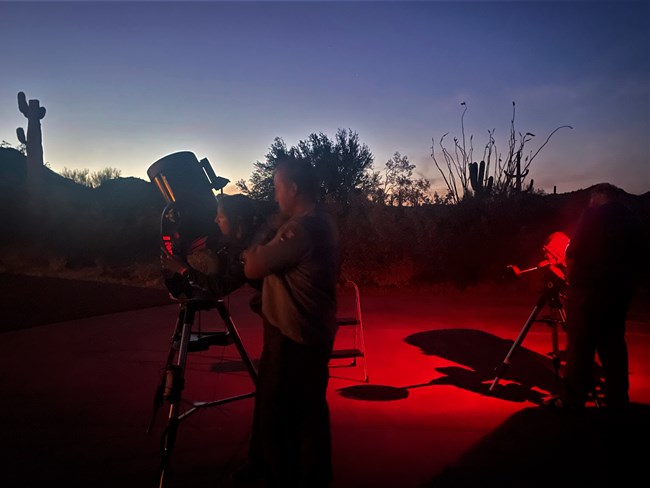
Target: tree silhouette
343 165
399 188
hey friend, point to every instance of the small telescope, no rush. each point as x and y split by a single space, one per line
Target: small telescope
555 257
555 265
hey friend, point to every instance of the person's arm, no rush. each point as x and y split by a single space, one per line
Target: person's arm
284 251
254 266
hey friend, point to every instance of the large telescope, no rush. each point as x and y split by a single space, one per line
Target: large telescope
189 187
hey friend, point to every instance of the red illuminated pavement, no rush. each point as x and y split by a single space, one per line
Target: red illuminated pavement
78 396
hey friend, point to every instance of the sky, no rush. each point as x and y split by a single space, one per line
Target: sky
127 83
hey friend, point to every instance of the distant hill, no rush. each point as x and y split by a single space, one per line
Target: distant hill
72 226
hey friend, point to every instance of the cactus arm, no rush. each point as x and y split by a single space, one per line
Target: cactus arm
473 174
530 187
20 132
22 104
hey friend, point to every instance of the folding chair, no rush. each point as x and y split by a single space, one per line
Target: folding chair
349 342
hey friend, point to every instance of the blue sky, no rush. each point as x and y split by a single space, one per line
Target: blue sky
125 83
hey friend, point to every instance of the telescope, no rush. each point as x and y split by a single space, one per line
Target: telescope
555 267
199 269
554 249
188 232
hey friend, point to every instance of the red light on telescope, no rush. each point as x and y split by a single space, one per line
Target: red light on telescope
555 249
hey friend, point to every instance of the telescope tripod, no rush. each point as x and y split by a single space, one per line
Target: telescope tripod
550 297
172 383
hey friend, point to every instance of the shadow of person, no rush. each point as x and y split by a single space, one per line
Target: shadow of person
542 447
479 354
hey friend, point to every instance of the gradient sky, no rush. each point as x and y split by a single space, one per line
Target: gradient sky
126 83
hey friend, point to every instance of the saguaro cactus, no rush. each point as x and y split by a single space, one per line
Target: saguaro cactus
480 184
34 140
518 175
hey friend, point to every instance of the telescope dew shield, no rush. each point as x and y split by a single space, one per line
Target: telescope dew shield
187 185
180 177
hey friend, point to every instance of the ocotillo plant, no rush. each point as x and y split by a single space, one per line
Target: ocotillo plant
34 140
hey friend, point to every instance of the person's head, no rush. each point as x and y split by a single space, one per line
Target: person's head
603 193
236 216
295 185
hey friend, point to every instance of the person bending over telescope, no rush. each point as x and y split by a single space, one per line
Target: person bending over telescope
603 259
218 269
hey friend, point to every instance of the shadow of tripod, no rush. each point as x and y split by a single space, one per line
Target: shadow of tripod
550 297
183 341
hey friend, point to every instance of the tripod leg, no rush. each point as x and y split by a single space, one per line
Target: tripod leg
559 308
174 384
237 341
501 369
159 394
556 349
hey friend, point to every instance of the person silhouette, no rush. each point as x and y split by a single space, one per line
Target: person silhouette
603 259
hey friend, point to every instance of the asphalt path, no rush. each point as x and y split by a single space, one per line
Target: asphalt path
78 396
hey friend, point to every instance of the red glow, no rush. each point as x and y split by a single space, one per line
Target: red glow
555 249
167 242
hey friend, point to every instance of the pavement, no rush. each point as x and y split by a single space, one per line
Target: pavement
78 399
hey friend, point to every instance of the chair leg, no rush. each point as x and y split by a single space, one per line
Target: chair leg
358 341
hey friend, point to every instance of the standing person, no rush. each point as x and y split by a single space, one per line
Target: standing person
602 262
291 428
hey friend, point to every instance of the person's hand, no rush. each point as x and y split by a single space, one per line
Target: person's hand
204 261
170 264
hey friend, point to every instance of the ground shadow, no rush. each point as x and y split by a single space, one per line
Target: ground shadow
529 377
543 447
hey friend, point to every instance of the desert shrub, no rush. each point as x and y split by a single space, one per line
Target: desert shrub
465 244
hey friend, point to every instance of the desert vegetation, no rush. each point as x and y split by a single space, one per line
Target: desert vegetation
111 232
93 180
394 230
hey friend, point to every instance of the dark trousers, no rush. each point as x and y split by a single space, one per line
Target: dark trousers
291 438
596 325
